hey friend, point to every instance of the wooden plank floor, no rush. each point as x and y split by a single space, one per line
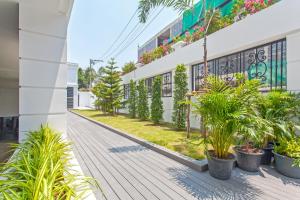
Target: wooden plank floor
127 170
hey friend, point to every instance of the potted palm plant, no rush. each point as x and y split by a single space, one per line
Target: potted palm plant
280 109
224 110
287 156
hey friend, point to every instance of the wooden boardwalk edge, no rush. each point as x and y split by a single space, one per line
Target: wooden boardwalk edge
198 165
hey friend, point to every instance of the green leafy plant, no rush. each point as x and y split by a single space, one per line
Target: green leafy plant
180 90
128 67
290 148
41 169
132 99
282 110
142 104
156 101
227 111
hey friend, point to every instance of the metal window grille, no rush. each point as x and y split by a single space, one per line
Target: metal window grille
266 63
148 84
126 91
167 84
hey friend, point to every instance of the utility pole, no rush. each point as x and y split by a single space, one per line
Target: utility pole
92 62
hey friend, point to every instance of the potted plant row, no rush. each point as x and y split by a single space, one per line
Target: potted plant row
242 115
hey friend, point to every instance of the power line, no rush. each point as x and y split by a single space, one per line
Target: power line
128 38
132 32
122 50
121 33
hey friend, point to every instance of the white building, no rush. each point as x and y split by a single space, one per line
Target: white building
72 86
264 45
33 62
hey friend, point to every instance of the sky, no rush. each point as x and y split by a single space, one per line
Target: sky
95 25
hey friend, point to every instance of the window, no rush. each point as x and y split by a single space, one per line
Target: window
70 97
167 84
126 91
148 84
266 63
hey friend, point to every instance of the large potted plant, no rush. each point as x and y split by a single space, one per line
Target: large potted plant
287 156
224 111
252 129
281 110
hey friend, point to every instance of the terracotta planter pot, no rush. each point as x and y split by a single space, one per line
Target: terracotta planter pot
220 168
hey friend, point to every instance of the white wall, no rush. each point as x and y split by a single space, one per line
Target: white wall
276 22
43 69
86 99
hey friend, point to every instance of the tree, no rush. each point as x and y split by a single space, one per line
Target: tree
156 101
142 106
109 89
181 88
90 75
132 99
128 67
81 79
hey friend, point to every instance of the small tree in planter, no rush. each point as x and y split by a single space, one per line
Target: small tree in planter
142 104
181 88
156 101
132 99
225 110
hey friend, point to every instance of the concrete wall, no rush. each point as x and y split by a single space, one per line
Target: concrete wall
258 29
43 69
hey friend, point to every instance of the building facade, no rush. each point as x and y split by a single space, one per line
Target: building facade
264 45
72 86
33 62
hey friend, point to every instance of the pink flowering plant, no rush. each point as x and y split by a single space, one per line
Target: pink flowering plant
253 6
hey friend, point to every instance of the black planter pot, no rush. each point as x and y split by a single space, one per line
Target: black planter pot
248 161
220 168
284 165
266 159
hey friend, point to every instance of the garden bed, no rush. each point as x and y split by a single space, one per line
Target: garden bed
163 135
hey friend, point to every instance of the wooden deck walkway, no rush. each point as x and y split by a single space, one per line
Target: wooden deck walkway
126 170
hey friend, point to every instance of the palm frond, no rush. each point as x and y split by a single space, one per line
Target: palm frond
145 6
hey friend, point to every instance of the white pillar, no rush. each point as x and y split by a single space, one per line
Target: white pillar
293 61
43 68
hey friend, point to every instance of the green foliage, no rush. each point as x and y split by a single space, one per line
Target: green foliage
156 101
282 110
180 90
142 104
227 111
41 169
132 101
82 83
108 90
90 76
128 67
291 148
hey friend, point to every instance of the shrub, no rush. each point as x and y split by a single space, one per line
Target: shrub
132 99
290 148
181 88
128 67
142 105
41 170
156 102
